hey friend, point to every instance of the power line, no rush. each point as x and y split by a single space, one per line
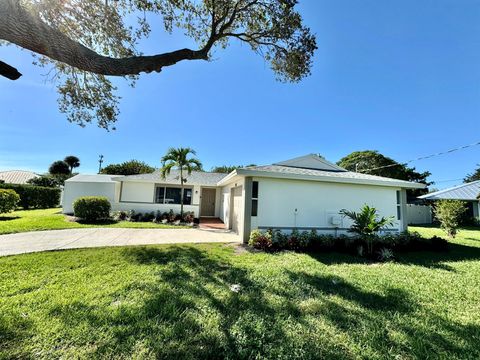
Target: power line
424 157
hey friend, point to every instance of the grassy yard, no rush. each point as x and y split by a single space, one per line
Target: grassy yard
175 302
53 219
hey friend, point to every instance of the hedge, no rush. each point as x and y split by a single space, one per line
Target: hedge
92 208
8 200
36 197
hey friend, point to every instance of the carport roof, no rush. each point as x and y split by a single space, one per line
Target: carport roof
469 191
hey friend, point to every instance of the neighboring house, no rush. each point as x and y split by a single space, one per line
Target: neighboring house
304 193
17 176
468 192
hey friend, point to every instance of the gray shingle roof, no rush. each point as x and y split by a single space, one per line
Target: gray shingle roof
17 176
469 191
347 176
195 178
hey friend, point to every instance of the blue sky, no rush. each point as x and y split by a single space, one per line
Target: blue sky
400 77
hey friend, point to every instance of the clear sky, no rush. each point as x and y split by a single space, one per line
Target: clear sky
401 77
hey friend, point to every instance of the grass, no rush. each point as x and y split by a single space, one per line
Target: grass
175 302
53 219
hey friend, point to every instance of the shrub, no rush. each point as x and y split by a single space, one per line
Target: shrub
375 247
449 213
92 208
37 197
121 215
260 240
385 254
147 217
8 200
188 217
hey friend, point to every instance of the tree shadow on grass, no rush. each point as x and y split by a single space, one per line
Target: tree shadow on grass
187 311
8 218
430 259
13 330
398 325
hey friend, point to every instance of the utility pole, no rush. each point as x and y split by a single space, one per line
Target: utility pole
100 162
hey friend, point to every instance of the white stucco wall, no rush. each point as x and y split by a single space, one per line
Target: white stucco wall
74 190
137 196
137 192
225 199
294 203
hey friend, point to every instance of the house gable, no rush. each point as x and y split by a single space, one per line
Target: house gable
311 161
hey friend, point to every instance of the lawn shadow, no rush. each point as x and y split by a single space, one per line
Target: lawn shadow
13 331
392 309
430 259
8 218
189 311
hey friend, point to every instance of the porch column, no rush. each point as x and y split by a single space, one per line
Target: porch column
247 210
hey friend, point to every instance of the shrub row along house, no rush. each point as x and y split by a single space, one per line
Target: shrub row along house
303 193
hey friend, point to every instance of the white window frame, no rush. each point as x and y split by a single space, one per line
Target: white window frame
165 187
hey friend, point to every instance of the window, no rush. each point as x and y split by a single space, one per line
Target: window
254 198
399 205
172 195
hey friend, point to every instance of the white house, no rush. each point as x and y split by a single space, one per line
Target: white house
303 193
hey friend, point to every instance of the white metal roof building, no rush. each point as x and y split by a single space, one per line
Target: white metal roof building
468 192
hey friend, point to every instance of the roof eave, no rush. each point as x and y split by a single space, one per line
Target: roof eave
270 174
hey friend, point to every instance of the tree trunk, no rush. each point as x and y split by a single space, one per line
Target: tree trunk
181 193
27 30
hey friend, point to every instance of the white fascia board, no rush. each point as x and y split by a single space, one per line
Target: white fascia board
396 184
227 179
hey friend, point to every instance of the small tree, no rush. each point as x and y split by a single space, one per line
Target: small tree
59 167
49 180
8 200
449 213
179 158
366 223
132 167
72 162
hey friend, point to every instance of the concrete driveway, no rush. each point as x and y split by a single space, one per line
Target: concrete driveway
84 238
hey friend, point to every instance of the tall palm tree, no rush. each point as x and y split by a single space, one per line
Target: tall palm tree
180 158
72 162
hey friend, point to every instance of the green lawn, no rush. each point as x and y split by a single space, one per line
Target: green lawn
53 219
175 302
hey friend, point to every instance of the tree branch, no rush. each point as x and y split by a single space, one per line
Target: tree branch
9 71
27 30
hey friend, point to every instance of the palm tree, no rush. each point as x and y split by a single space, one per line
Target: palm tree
72 162
179 158
366 223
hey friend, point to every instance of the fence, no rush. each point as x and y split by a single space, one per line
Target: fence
419 214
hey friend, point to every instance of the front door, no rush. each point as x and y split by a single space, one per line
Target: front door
208 202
